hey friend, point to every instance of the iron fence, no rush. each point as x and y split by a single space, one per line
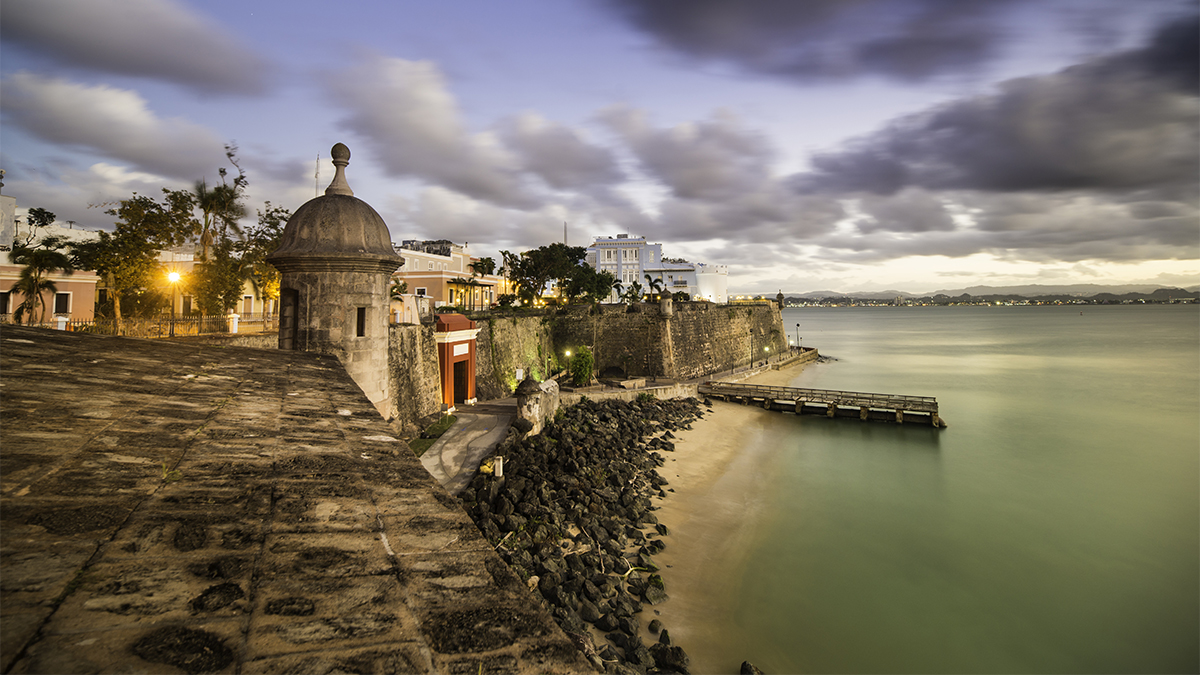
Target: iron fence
161 326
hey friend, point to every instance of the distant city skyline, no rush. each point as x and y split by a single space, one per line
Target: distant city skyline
854 145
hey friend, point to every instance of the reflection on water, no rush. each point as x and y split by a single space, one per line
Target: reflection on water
1053 527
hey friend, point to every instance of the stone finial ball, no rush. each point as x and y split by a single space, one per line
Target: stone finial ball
340 151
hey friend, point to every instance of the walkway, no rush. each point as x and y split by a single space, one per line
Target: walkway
454 458
184 508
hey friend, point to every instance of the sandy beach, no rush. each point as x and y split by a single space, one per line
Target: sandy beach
714 472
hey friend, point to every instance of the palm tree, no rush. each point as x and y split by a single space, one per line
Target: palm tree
32 283
222 208
483 267
397 289
654 286
633 293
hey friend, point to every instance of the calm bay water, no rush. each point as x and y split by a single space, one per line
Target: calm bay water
1053 527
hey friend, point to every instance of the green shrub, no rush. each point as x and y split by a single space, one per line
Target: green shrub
582 365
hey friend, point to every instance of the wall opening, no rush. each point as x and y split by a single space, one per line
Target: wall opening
360 322
289 308
460 382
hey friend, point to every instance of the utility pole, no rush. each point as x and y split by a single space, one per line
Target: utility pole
317 177
564 233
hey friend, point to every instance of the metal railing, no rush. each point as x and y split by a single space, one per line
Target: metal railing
161 326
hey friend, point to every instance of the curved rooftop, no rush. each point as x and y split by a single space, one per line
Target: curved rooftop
336 227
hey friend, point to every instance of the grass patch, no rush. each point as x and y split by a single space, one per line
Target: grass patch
430 435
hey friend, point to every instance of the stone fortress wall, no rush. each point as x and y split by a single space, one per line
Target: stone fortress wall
506 345
415 387
688 341
691 341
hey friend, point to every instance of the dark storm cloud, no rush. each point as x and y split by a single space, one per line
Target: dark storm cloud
415 129
910 210
157 39
821 39
113 123
1114 123
558 154
720 181
712 160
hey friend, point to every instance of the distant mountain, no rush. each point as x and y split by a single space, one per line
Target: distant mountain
1029 291
857 295
1081 290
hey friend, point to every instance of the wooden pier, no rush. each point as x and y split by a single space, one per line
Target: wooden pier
831 403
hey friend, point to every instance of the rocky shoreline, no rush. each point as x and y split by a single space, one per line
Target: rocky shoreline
573 516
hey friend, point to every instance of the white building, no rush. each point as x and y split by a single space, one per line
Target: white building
631 258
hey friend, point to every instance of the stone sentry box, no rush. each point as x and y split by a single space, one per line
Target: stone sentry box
336 258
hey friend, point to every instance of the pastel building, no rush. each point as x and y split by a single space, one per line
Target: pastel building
631 258
441 271
75 298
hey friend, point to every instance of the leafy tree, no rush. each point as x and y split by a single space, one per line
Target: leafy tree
588 284
38 262
533 269
681 296
127 258
217 282
582 365
397 289
257 243
38 219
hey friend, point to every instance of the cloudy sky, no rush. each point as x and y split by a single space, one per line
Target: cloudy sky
809 145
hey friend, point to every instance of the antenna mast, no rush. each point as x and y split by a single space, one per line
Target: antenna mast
317 177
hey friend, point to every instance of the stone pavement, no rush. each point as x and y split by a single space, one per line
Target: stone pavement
454 458
177 508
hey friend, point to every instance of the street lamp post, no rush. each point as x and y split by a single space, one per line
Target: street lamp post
570 374
173 277
798 336
751 348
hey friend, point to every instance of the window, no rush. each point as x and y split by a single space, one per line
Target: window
4 302
247 304
62 303
360 328
609 254
421 291
431 264
187 304
629 254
